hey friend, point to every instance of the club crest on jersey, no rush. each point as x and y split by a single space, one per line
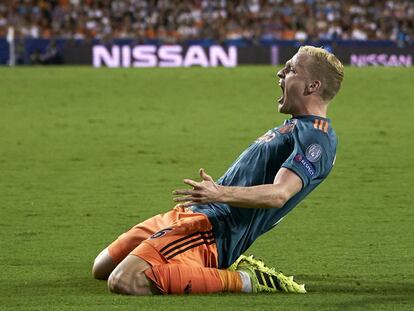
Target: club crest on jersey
313 152
268 136
160 233
288 127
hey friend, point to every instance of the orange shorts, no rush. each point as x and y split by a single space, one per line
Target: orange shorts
178 236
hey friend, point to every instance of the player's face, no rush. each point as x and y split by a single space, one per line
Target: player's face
293 79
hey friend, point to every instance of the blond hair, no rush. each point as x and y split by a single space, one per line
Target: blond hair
326 68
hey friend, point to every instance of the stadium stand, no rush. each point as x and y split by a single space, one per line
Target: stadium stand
247 22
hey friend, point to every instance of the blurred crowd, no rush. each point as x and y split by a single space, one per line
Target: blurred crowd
172 21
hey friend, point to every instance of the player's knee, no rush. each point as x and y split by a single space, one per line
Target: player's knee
98 271
102 266
120 282
114 282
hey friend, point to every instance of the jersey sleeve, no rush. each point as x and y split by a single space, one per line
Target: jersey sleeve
312 156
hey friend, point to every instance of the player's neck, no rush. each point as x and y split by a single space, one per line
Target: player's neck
312 108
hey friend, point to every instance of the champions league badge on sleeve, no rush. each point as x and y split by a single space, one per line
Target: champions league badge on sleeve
309 169
313 152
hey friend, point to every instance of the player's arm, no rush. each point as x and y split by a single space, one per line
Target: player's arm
285 186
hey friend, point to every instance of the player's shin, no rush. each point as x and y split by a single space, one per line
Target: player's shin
182 279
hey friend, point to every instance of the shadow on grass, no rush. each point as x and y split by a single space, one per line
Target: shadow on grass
340 284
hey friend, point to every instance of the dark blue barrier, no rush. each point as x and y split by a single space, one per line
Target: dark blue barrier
4 51
27 47
201 42
241 43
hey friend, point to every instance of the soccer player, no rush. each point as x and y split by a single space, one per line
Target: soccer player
197 247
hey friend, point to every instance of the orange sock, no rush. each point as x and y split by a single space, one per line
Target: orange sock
183 279
230 280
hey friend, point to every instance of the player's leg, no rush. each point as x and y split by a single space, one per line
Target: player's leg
134 276
118 250
186 279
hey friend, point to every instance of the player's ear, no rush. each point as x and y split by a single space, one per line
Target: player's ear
314 86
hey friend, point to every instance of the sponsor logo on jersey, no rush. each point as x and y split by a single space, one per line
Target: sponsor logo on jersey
161 233
309 169
268 136
313 152
288 127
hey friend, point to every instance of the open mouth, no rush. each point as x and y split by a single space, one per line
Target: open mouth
282 86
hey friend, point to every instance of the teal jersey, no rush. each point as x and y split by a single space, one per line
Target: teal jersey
305 145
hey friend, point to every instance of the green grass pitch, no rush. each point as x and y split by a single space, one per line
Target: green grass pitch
87 153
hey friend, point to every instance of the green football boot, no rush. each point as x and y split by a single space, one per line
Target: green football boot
235 264
266 279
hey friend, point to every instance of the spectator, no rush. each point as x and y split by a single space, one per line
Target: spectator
171 21
50 57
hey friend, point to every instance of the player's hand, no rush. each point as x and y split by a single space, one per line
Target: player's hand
206 191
